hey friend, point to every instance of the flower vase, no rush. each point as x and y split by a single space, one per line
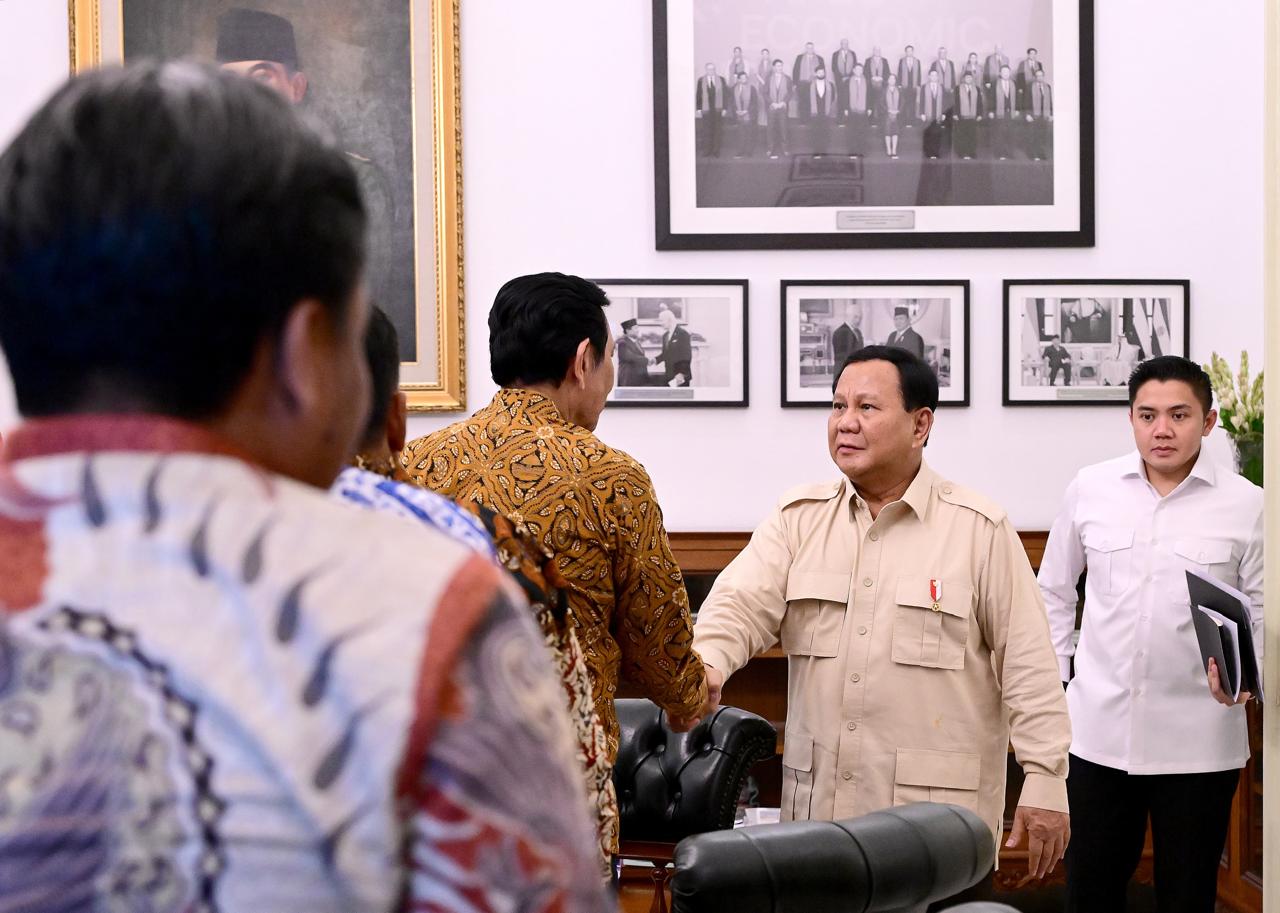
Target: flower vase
1248 451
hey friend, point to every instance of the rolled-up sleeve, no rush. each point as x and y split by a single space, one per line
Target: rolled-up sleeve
1013 620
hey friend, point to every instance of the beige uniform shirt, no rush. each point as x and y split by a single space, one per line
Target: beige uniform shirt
917 650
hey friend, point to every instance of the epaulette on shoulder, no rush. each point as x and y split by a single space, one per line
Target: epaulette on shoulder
967 497
814 491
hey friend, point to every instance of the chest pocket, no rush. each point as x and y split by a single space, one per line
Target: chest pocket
929 633
1210 557
814 623
1109 551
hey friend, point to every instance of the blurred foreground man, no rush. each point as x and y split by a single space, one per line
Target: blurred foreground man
1151 738
912 624
532 456
222 689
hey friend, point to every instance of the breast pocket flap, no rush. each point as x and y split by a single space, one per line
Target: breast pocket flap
1108 538
947 769
953 598
1204 551
829 587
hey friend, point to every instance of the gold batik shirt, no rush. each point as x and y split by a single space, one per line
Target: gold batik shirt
594 508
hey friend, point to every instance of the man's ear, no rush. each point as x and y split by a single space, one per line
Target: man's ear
923 426
302 358
298 87
582 363
1209 421
397 423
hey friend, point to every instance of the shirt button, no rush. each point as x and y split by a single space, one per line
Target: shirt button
862 629
848 775
852 725
856 677
866 581
946 490
874 537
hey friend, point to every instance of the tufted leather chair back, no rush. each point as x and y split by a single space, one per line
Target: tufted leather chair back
671 785
894 861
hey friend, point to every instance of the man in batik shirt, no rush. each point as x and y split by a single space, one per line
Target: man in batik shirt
221 688
531 456
378 482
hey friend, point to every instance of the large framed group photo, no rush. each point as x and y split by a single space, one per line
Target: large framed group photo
856 123
382 76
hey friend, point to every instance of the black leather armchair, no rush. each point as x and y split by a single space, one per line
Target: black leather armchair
671 785
893 861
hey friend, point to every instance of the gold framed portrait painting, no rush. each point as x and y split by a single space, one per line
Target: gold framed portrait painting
383 76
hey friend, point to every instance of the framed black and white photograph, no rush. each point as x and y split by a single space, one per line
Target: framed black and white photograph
823 322
1071 342
678 342
857 123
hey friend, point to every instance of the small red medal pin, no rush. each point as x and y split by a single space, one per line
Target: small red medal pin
935 593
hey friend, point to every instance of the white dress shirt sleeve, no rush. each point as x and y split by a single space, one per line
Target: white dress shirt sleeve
1060 569
1251 584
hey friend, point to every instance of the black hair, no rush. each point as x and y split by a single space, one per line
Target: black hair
1172 367
910 47
382 352
536 324
916 380
1032 51
158 223
776 61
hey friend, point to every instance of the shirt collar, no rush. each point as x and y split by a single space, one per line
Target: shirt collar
915 497
1203 468
535 406
107 433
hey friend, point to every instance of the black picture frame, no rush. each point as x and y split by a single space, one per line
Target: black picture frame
954 384
866 235
1099 350
656 394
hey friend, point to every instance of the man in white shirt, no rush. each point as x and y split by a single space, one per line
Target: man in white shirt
1148 736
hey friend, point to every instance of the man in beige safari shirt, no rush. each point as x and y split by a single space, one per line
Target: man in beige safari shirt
914 630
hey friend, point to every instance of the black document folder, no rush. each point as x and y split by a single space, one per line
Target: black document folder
1226 638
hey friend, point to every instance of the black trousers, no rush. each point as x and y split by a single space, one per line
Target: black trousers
1190 814
712 130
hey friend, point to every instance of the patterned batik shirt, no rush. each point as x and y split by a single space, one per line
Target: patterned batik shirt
533 569
223 690
594 508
